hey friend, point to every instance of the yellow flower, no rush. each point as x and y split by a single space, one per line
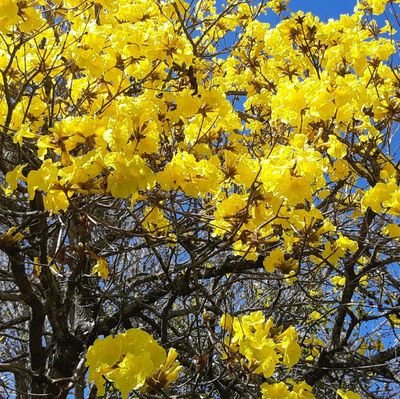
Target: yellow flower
303 390
287 344
395 320
13 177
392 230
274 258
295 189
260 344
128 360
167 372
226 322
313 316
43 178
348 394
377 196
344 243
336 148
101 268
132 372
227 213
377 6
155 221
276 391
55 201
11 237
338 281
8 15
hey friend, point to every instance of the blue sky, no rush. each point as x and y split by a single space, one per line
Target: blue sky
325 9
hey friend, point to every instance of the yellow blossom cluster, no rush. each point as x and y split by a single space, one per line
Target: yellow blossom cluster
280 390
131 360
154 114
376 6
259 344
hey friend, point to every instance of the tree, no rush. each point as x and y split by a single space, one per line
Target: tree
198 203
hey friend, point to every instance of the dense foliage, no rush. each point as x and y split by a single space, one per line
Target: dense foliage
199 200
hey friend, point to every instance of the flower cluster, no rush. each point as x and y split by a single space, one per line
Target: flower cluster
258 344
131 360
